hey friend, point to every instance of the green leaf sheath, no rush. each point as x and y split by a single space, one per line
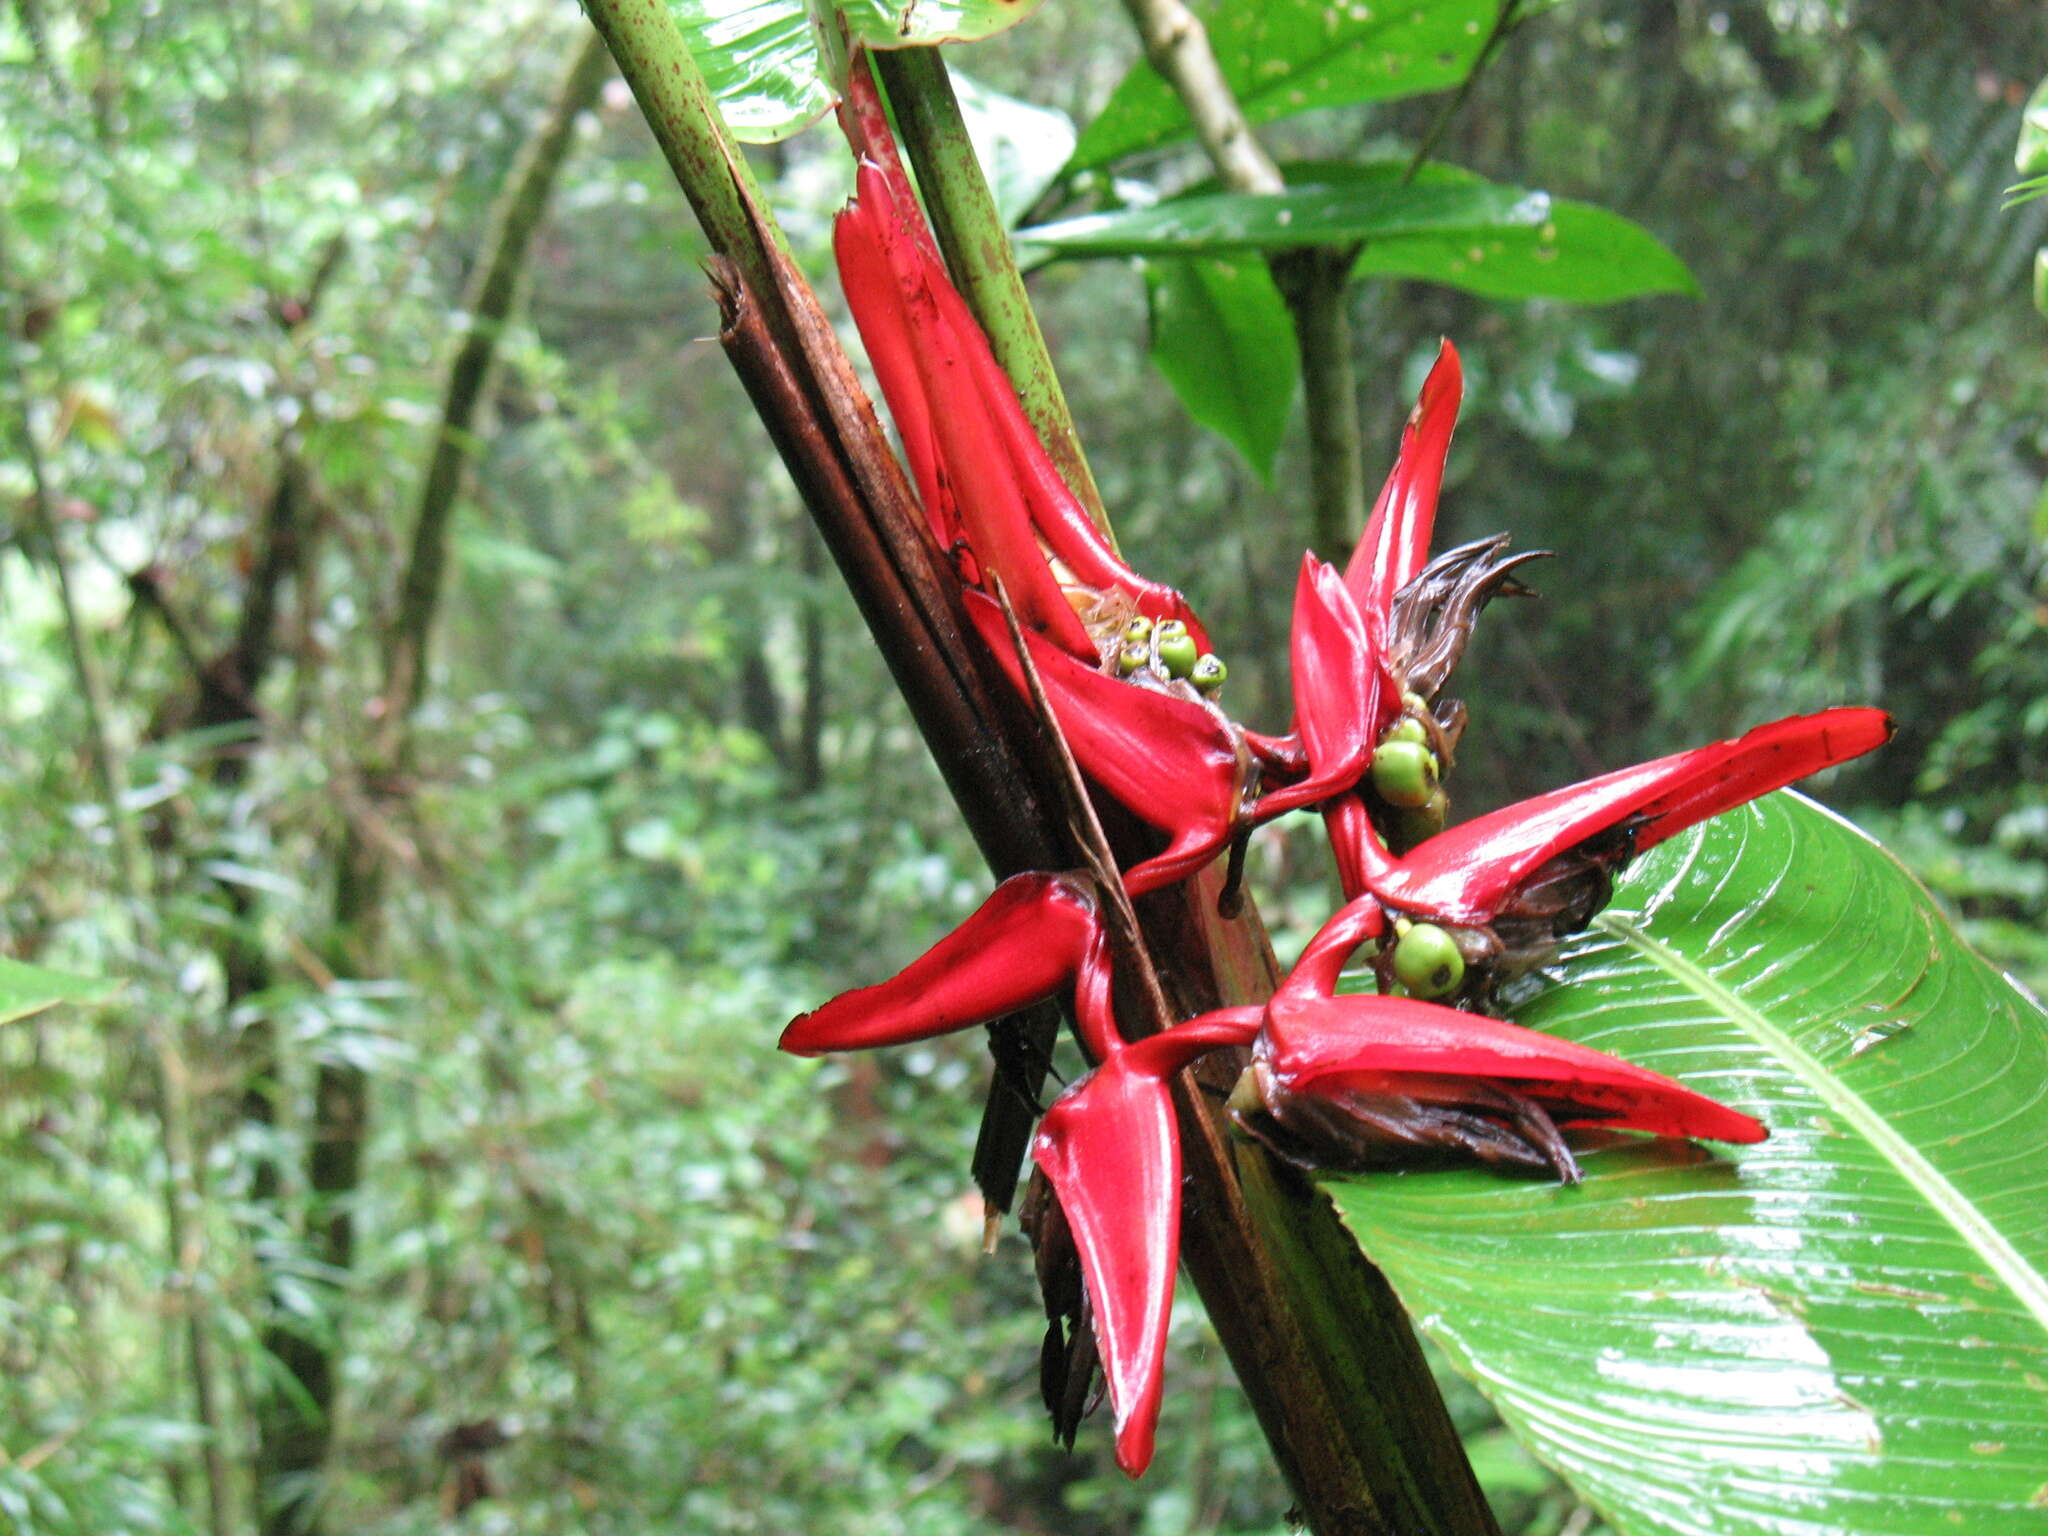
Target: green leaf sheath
1846 1325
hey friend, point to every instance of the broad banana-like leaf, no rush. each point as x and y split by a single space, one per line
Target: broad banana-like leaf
1842 1331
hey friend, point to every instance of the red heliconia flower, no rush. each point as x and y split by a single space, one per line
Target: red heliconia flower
1035 935
1334 1074
1345 1079
986 481
1468 874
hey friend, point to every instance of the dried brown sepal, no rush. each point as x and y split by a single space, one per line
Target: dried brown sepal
1353 1131
1070 1380
1431 621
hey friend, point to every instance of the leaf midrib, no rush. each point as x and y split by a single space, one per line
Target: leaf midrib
2025 1282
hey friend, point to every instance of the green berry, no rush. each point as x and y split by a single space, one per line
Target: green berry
1427 962
1414 824
1404 772
1209 672
1138 631
1177 649
1407 728
1132 658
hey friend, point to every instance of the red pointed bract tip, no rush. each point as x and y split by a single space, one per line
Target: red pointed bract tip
1367 1043
1343 696
1111 1149
1463 874
1171 761
1033 937
1395 545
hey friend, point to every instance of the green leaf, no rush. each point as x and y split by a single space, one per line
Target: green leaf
27 989
1844 1328
1580 254
1021 147
2030 158
761 60
2024 192
1222 337
1280 57
1213 222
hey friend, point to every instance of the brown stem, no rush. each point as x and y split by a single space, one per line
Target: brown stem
341 1099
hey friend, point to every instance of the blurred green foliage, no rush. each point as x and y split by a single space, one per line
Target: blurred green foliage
623 1267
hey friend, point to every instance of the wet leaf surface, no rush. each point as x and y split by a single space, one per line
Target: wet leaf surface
1844 1329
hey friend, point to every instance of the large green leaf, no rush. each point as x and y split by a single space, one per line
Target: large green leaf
1447 226
1286 56
1222 337
1841 1332
28 989
1213 222
761 60
1580 254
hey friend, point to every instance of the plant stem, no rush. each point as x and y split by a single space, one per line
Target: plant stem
299 1429
1178 47
977 249
1314 281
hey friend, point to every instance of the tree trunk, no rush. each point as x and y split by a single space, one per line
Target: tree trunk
298 1431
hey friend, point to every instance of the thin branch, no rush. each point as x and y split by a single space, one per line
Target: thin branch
1178 47
1314 281
184 1215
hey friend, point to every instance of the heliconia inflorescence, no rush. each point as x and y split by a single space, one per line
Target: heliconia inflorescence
1336 1080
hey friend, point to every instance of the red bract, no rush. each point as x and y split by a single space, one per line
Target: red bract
1395 544
1465 874
1345 1048
1111 1150
1033 936
984 476
1174 760
1344 697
